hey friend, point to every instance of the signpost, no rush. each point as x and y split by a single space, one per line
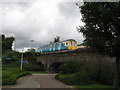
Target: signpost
22 61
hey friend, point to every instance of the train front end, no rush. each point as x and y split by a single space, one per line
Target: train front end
72 44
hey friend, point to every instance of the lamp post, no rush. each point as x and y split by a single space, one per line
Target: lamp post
22 61
21 66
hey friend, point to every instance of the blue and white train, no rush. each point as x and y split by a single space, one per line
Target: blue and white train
69 44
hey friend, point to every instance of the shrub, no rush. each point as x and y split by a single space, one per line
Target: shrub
30 57
79 78
33 67
12 55
99 72
60 77
6 74
10 75
71 67
82 78
102 73
12 79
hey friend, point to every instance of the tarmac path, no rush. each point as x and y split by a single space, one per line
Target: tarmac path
24 82
38 81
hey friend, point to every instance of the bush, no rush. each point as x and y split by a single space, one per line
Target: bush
99 72
33 67
12 79
10 56
70 67
30 57
102 73
82 78
10 75
79 78
6 74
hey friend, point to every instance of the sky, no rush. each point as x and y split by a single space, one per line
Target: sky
41 21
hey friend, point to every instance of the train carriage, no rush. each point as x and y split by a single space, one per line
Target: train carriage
69 44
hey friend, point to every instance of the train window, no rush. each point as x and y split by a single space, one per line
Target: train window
56 44
72 43
59 44
51 45
66 43
63 43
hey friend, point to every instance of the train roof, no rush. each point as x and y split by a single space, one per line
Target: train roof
61 41
70 40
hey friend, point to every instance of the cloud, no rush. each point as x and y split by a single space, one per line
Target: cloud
41 21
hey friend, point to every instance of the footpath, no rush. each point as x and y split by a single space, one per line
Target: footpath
38 81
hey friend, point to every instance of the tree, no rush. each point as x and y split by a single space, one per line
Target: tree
10 56
7 43
56 39
101 29
30 57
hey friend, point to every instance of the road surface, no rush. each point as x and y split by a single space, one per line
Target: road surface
38 81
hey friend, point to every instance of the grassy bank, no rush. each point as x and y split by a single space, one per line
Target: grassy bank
83 74
11 74
38 72
93 86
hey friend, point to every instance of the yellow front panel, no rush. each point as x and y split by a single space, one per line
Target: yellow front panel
72 47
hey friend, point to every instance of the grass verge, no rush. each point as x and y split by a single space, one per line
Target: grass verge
96 87
93 86
38 72
11 74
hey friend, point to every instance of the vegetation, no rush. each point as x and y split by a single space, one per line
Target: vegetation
57 39
32 64
10 75
7 43
10 56
34 67
11 62
79 78
71 67
101 30
30 57
38 72
94 86
86 73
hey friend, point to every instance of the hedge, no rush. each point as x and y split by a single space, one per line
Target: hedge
33 67
79 78
10 75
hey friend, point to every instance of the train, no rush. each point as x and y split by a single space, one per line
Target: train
69 44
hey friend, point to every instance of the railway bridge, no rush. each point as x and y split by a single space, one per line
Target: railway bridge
52 61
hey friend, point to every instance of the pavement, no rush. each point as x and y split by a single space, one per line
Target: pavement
38 81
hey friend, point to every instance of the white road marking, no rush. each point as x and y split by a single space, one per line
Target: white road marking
36 83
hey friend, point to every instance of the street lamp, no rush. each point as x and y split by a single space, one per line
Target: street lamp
21 66
22 61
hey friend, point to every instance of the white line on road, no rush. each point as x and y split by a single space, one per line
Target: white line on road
36 83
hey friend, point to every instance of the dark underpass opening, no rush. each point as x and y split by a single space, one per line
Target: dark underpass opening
41 66
55 67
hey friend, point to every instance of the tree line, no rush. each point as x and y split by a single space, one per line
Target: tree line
101 30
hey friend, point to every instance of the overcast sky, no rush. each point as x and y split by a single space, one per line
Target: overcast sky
41 21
